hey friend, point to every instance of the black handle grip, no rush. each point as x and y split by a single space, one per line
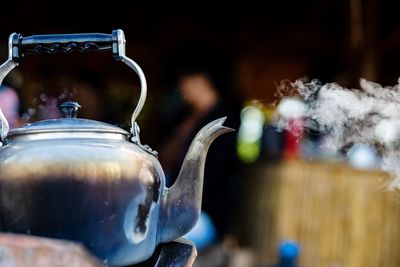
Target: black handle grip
64 43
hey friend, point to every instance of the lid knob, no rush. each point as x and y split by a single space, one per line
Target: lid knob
69 110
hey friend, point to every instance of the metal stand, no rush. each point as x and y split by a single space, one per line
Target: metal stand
176 254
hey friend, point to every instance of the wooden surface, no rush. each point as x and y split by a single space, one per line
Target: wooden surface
341 217
29 251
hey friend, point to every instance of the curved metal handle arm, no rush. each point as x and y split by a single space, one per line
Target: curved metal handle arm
65 43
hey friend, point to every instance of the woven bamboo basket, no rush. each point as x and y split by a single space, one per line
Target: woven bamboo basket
341 217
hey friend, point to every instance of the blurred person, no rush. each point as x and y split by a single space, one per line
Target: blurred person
9 101
206 98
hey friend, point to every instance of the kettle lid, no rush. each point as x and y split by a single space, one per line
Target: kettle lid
68 123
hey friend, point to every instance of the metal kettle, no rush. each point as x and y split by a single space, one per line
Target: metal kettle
92 182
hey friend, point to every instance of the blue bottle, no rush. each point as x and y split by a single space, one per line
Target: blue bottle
288 254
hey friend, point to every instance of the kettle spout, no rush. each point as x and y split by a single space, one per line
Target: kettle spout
182 201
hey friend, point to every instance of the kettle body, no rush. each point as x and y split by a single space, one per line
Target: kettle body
103 192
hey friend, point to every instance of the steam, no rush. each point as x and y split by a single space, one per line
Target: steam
369 115
45 106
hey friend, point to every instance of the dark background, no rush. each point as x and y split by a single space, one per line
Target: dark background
263 43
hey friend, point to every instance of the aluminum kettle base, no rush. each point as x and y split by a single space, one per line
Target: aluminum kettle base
31 251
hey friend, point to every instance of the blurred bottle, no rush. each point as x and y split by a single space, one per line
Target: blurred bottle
249 141
288 254
291 112
273 139
293 137
273 142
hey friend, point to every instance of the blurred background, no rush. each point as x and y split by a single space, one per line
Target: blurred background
271 198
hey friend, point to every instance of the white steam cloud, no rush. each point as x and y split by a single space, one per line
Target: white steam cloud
368 115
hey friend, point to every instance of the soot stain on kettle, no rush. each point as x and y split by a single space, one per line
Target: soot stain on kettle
138 217
152 195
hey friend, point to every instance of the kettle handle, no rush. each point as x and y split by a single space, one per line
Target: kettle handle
18 46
